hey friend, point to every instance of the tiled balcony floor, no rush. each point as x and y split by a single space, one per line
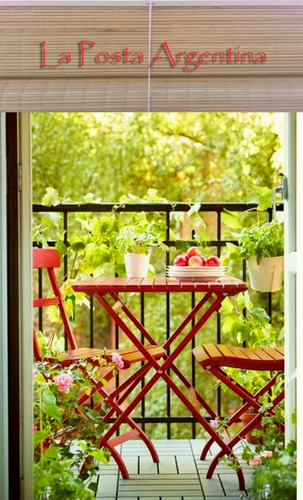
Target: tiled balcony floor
180 475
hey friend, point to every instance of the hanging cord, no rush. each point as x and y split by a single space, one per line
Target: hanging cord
149 55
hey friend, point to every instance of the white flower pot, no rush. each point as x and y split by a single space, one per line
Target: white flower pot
136 265
266 276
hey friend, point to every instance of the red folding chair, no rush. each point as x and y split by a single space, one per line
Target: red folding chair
215 357
49 259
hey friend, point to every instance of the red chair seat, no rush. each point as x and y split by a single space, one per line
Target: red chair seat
240 357
129 356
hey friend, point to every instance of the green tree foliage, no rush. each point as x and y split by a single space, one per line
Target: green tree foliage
185 156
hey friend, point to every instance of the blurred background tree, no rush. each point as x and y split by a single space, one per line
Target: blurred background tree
185 156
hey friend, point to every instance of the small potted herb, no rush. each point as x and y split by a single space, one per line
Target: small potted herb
136 238
263 247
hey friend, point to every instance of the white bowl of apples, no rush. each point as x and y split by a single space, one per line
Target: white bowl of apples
195 266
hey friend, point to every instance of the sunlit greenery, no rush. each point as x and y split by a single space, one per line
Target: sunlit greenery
185 156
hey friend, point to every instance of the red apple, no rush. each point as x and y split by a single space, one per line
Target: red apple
193 251
181 260
195 261
213 261
204 260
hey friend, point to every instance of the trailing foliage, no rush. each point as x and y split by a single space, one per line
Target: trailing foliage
66 433
275 473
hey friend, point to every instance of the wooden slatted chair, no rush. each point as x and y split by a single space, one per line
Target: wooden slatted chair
49 259
215 357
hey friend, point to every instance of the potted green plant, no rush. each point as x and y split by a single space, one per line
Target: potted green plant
135 239
263 246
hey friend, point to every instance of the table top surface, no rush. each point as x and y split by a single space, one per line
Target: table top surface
228 285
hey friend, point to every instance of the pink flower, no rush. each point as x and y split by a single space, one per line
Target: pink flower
63 381
256 461
214 424
34 373
117 359
35 428
267 454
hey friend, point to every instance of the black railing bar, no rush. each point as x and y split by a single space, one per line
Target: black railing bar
172 243
148 207
269 295
169 420
65 263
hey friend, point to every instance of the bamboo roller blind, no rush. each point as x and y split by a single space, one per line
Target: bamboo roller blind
274 85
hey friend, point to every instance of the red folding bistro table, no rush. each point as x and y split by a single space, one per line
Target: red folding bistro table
213 293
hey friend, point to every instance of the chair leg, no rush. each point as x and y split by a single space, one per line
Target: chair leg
119 461
128 420
214 463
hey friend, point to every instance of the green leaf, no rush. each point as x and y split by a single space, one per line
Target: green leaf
260 314
90 198
51 452
54 314
99 455
227 306
52 411
51 197
60 245
93 487
194 209
233 251
262 196
39 436
243 300
231 219
182 245
48 397
77 243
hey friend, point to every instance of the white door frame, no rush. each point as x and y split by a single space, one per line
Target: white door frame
3 320
25 217
290 274
25 301
299 284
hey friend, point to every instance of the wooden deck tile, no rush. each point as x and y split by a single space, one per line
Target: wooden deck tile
147 466
180 475
226 498
167 464
107 486
132 463
186 464
230 483
211 486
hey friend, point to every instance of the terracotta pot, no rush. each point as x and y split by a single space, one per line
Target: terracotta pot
245 419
